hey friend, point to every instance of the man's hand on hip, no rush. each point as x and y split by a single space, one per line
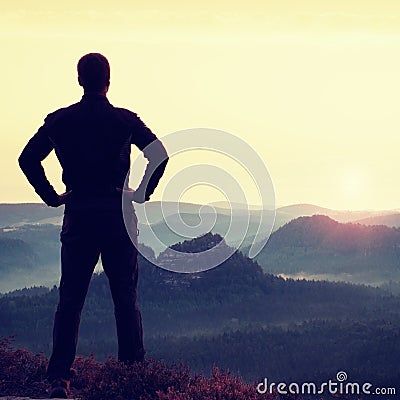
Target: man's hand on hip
133 195
59 199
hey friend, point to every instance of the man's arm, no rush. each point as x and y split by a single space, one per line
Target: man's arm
157 157
37 149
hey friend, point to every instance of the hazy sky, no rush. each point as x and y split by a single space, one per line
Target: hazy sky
312 86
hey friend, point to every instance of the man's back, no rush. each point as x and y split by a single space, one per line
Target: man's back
92 140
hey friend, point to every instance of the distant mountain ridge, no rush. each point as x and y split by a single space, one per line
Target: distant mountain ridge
157 220
321 248
308 210
391 220
26 213
155 212
305 260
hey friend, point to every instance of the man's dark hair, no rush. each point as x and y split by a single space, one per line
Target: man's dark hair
94 72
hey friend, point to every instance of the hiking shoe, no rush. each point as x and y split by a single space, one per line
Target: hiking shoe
60 388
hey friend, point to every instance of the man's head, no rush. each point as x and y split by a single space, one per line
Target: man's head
94 73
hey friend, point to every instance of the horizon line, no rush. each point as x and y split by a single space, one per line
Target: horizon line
251 207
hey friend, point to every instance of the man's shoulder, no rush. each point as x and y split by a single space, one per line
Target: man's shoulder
128 115
77 111
61 112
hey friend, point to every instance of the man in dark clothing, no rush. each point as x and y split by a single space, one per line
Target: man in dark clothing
92 140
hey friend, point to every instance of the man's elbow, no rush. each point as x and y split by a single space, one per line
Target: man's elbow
28 163
24 161
162 153
160 148
165 157
156 153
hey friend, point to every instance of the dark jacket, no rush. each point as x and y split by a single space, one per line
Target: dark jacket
92 140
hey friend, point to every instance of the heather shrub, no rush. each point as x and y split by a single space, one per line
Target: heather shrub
22 373
220 386
142 381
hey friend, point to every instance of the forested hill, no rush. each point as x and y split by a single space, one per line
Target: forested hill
318 245
320 231
15 252
11 214
29 255
233 316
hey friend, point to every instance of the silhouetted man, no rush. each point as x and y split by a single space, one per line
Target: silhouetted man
92 140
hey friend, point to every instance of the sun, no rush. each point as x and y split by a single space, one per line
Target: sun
354 184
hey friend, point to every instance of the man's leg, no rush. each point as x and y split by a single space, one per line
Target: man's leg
120 262
79 255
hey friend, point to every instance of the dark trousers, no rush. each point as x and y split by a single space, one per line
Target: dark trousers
84 236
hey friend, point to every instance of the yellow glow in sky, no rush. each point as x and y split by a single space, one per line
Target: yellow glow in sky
313 86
